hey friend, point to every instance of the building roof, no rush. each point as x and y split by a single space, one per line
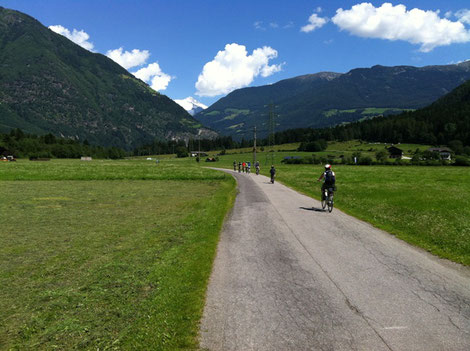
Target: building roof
394 150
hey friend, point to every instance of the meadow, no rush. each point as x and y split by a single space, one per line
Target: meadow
107 255
428 207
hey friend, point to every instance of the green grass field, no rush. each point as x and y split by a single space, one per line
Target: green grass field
107 255
428 207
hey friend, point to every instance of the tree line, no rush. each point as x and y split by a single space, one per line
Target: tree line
23 145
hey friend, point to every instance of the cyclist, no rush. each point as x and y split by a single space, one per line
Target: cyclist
257 167
248 167
273 173
234 165
329 179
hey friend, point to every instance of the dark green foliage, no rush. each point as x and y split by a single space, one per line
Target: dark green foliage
381 156
462 161
32 146
328 99
313 146
49 85
181 151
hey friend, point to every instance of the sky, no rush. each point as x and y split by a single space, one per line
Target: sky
206 49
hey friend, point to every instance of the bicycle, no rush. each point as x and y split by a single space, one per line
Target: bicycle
257 170
327 199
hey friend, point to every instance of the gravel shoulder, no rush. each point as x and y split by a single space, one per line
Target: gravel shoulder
289 276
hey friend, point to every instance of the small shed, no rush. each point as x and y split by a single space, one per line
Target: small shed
445 154
395 152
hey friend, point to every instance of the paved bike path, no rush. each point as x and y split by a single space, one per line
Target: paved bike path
291 277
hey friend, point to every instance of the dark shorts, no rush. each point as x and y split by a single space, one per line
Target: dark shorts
327 186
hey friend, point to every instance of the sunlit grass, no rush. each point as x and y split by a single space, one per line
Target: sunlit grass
113 263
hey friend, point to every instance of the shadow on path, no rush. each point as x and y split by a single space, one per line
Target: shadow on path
312 209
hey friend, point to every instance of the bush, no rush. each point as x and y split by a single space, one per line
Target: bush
462 161
366 160
181 152
381 156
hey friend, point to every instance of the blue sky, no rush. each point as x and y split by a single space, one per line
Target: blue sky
205 49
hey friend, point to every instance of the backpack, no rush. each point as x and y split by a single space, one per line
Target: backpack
330 178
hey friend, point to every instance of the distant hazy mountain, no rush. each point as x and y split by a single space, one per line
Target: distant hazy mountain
327 99
49 84
191 105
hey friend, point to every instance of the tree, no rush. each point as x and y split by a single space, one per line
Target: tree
381 156
181 152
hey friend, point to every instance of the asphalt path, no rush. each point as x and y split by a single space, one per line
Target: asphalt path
289 276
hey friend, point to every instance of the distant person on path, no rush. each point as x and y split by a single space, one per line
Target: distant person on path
272 171
257 167
249 167
239 167
234 166
329 180
243 167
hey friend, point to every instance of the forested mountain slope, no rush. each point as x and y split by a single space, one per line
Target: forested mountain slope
328 99
48 84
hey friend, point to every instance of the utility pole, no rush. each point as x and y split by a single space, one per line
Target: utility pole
199 154
254 146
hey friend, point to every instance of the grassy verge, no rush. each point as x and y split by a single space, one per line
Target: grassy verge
107 264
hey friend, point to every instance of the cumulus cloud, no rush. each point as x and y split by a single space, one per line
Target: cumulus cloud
463 16
232 68
154 75
129 59
314 22
79 37
390 22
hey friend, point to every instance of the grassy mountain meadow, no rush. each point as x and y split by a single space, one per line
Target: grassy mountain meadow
327 99
50 85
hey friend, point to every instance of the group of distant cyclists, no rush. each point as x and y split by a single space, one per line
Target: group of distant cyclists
245 167
328 177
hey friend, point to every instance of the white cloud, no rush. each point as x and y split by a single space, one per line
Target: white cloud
79 37
463 16
390 22
129 59
318 9
233 68
154 75
314 23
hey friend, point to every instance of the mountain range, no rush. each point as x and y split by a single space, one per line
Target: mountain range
48 84
327 98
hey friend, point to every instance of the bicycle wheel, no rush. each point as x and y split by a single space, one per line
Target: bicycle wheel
323 203
330 204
